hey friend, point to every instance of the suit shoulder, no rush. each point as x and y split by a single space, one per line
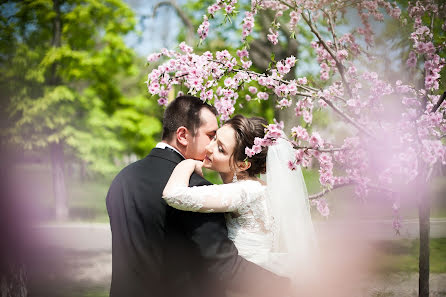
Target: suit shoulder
197 180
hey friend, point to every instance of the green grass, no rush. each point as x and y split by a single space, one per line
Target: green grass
402 256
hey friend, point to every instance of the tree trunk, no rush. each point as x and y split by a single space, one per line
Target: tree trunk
83 171
60 193
13 226
423 262
13 282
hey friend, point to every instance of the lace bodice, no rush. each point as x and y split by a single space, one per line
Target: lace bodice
247 218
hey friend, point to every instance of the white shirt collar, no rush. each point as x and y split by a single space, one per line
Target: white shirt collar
163 145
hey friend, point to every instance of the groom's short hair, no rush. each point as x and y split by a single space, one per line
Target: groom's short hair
184 111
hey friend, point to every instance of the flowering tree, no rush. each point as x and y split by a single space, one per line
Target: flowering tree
398 127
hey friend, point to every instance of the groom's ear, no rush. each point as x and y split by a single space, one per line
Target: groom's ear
182 134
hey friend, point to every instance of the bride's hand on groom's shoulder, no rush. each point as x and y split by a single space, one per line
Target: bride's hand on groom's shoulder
192 165
198 167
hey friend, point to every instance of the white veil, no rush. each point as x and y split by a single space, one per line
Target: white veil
295 247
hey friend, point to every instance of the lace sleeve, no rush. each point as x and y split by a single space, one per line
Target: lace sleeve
214 198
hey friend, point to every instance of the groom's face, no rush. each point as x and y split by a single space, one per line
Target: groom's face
196 147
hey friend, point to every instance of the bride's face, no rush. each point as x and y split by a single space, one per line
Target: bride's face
220 149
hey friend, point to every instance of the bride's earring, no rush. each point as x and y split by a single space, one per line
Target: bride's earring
234 178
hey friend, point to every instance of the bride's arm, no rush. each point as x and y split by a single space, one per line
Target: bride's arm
181 175
214 198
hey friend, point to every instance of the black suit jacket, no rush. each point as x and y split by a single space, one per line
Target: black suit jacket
160 251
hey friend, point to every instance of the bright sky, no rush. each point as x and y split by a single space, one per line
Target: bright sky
157 32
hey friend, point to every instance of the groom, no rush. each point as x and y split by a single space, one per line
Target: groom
163 252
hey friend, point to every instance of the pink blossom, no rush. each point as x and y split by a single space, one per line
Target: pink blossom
163 101
274 131
256 149
213 8
246 64
292 88
249 152
284 103
263 95
412 61
230 83
290 61
342 54
153 57
248 24
252 90
229 9
307 116
242 53
294 19
316 140
321 206
203 29
273 37
300 132
302 80
185 48
292 165
283 68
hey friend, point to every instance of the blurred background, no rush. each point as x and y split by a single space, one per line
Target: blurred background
75 110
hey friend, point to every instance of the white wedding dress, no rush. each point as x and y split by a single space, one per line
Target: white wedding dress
250 225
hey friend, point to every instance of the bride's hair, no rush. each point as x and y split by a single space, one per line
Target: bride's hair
246 130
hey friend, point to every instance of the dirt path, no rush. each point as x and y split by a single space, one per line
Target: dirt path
69 273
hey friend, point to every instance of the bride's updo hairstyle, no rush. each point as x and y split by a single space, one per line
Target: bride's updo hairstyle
246 130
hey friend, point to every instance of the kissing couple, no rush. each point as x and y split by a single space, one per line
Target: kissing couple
174 234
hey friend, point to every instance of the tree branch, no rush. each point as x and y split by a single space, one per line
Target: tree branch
322 150
351 183
184 18
440 101
339 65
336 109
333 33
346 117
325 191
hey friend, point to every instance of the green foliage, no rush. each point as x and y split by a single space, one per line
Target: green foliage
71 91
138 124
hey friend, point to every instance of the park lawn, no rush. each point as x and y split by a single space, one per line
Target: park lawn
402 256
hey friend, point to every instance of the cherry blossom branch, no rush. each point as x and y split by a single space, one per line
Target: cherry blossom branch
325 191
351 183
322 150
333 33
347 118
309 89
440 101
339 65
336 109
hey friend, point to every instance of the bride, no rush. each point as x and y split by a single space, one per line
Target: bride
269 223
